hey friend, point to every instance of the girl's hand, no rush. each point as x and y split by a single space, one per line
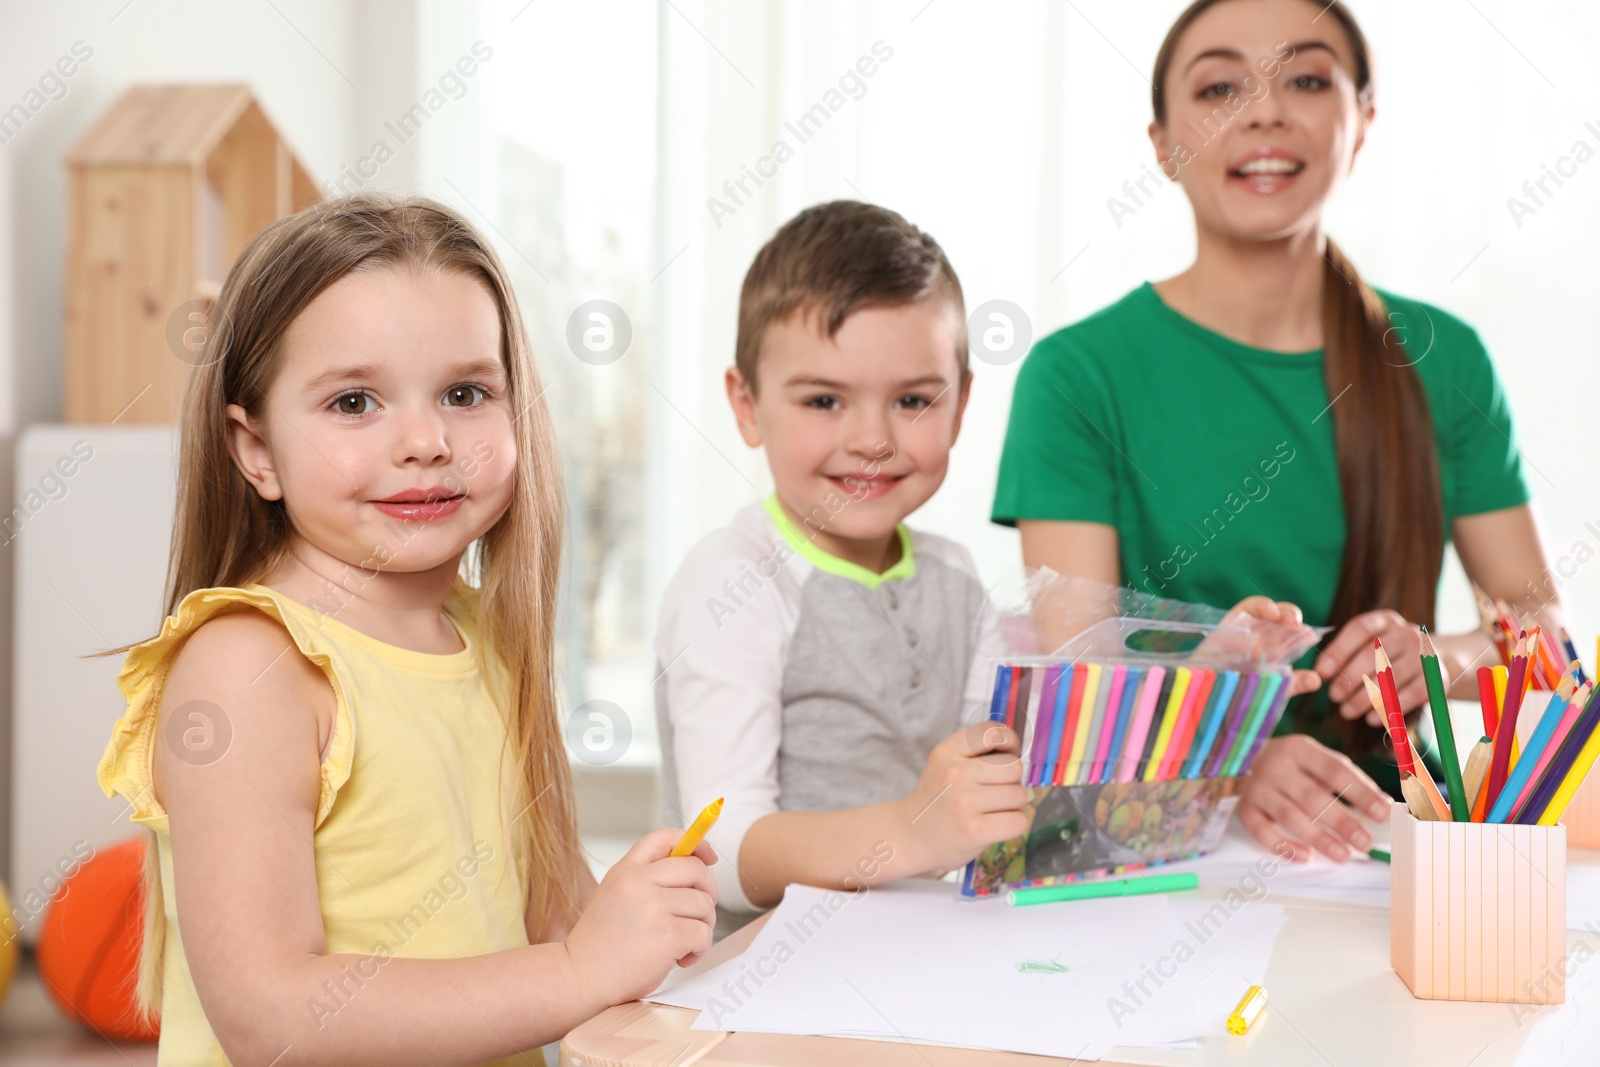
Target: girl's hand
1303 787
1288 615
970 796
650 911
1349 656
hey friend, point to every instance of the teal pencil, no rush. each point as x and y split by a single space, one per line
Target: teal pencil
1121 887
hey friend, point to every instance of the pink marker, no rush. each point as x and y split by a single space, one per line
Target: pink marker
1134 748
1113 702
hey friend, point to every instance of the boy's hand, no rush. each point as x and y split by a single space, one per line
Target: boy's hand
650 911
1286 614
969 797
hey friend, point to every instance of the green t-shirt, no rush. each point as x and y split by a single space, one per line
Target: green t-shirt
1214 461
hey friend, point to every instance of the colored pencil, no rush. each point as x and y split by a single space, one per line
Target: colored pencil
1477 775
1534 758
1531 671
1571 701
1573 780
1500 674
1555 775
1507 728
1460 807
1572 655
1399 740
1416 799
1384 673
1487 701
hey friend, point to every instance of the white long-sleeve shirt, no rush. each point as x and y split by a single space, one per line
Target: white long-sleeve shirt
792 680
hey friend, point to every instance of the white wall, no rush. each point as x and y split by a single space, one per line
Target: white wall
327 72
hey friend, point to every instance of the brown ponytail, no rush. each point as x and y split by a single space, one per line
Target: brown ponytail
1382 426
1388 462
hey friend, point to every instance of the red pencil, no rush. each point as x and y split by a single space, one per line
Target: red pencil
1391 706
1491 707
1396 725
1507 729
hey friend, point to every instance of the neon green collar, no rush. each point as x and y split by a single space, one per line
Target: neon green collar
905 566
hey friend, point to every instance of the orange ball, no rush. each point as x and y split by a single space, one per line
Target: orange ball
88 949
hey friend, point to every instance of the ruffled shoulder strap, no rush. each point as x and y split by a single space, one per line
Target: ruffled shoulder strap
127 766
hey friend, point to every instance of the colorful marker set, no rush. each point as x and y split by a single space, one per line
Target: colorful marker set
1094 723
1498 784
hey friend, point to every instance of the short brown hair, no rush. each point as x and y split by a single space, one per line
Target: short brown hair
835 259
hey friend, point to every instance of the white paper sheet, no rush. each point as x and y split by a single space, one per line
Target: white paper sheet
912 961
1240 863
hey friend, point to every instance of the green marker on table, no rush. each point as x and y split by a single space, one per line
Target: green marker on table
1378 854
1121 887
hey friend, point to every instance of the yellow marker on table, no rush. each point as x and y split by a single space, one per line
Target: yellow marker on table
697 830
1250 1005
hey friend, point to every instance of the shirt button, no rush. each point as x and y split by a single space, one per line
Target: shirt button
916 677
889 594
911 636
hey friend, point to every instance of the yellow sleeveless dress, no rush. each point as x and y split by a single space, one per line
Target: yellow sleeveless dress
413 833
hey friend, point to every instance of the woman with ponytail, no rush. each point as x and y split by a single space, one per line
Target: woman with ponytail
1266 422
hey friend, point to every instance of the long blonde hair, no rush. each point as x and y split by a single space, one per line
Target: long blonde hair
224 534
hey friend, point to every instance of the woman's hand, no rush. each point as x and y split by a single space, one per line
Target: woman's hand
1288 615
1299 786
1349 656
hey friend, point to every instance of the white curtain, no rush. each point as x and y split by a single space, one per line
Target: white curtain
1005 129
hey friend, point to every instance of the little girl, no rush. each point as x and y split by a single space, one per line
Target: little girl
345 737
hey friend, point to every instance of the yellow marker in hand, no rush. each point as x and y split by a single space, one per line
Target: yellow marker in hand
697 830
1250 1005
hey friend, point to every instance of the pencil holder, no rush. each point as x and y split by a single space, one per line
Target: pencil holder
1582 817
1478 911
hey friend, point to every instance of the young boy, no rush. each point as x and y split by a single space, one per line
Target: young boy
823 667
